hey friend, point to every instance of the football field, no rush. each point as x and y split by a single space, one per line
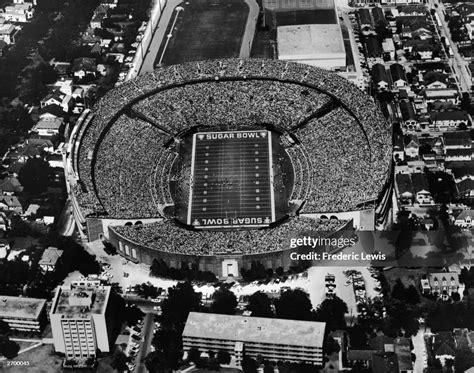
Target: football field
231 180
203 29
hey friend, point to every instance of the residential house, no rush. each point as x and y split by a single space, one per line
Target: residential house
406 26
465 219
449 120
8 33
380 77
440 283
443 346
435 80
48 127
50 259
10 186
18 12
52 111
55 160
62 68
374 50
412 10
419 49
365 21
10 203
58 98
399 77
464 180
379 17
388 47
421 188
446 95
398 149
404 189
409 117
84 67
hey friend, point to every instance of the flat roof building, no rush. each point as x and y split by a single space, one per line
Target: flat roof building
252 336
25 314
316 45
81 320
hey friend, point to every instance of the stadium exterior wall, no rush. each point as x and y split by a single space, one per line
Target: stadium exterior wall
216 263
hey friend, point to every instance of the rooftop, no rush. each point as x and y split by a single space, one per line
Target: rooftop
77 302
255 329
19 307
310 42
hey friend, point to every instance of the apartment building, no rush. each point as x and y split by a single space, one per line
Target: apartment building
24 314
253 336
81 320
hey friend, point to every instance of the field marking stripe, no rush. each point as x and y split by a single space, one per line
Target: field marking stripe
190 203
270 165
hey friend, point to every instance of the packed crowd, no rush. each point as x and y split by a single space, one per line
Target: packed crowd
236 93
234 104
302 171
130 152
167 237
340 163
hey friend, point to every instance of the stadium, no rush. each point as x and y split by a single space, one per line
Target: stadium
219 163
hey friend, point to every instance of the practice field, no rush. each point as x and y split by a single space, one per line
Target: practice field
232 180
203 29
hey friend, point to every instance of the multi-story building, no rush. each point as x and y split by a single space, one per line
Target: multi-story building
24 314
253 336
81 320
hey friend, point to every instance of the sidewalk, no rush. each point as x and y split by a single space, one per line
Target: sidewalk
157 37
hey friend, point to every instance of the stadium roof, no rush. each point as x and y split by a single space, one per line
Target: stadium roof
306 42
19 307
255 329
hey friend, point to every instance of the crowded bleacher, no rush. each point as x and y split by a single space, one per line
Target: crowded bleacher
166 236
342 160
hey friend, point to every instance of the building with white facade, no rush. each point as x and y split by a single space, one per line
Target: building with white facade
315 44
24 314
273 339
81 318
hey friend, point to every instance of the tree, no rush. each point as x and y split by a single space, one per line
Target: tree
398 291
249 365
411 295
8 348
223 357
181 300
260 305
194 355
119 361
132 314
293 304
330 346
332 311
34 176
225 302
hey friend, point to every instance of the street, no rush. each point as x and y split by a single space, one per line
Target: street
148 324
458 63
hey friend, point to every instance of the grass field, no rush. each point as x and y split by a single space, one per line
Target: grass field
232 179
204 29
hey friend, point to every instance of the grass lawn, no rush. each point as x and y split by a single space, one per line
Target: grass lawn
40 360
206 29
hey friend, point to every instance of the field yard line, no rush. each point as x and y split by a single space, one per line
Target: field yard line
270 165
191 186
249 32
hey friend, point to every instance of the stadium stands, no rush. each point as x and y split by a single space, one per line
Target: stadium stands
342 160
167 237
